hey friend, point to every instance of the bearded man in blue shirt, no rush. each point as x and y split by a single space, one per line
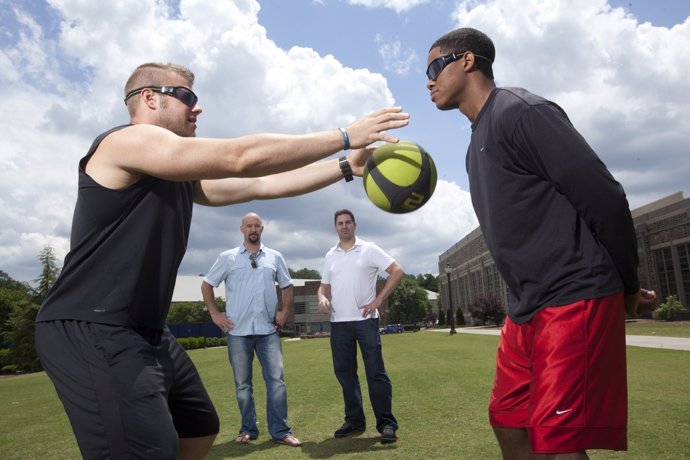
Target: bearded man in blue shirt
252 321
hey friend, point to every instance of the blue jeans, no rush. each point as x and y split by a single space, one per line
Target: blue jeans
268 349
345 336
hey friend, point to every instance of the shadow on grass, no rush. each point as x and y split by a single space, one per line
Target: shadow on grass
325 449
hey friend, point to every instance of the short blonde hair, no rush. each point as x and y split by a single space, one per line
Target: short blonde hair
153 74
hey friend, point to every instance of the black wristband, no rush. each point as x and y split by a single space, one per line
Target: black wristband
345 168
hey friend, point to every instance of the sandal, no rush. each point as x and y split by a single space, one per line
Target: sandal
289 440
244 438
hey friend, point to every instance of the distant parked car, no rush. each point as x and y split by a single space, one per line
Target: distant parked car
392 329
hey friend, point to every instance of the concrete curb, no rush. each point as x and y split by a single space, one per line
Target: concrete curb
648 341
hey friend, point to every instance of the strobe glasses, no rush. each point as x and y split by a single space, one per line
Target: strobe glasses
182 94
437 65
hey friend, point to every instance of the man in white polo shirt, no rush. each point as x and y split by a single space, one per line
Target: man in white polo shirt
348 292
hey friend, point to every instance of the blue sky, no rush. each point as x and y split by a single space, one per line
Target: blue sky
618 68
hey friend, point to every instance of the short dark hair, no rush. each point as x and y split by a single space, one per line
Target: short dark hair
468 39
341 212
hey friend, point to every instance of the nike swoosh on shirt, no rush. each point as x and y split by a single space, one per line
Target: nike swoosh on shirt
560 412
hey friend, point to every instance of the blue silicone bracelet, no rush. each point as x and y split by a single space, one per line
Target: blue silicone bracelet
346 139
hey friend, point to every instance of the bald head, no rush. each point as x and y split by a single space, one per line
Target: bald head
252 227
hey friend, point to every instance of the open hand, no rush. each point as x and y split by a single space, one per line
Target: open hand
372 127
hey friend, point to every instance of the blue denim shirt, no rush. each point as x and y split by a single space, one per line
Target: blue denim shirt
250 292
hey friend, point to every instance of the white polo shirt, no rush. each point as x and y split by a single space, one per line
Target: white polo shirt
352 275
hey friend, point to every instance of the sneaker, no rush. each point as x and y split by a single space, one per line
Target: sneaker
349 429
388 435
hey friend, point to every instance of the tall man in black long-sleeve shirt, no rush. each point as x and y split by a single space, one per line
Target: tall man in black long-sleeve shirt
559 229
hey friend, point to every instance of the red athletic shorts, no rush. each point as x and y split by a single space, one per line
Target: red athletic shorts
562 375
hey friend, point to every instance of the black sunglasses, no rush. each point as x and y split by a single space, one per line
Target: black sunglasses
182 94
437 65
252 258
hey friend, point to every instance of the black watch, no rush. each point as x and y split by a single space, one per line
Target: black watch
345 168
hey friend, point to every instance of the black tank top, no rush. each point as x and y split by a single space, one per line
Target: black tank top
125 248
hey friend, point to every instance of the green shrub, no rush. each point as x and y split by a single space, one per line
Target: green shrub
192 343
187 343
488 309
669 309
216 341
6 365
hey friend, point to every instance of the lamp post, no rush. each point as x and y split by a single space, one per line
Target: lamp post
451 312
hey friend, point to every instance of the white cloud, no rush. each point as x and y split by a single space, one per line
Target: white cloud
38 175
246 84
398 6
394 58
622 83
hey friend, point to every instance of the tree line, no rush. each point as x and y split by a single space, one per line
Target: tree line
408 304
20 302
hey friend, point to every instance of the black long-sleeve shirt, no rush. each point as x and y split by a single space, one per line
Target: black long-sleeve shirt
556 222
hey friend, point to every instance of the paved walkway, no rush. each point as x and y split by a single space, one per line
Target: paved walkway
649 341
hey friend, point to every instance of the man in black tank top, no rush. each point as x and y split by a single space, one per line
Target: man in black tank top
129 389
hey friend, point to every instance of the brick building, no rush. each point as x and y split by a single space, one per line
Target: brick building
663 244
467 270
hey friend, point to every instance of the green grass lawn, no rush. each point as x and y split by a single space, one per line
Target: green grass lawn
660 328
441 385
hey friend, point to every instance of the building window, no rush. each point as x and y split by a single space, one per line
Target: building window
312 306
464 292
475 284
300 308
664 267
684 259
493 279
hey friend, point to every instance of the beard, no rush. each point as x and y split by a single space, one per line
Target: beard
254 238
175 122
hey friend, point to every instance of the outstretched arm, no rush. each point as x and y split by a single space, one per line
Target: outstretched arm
312 177
124 156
